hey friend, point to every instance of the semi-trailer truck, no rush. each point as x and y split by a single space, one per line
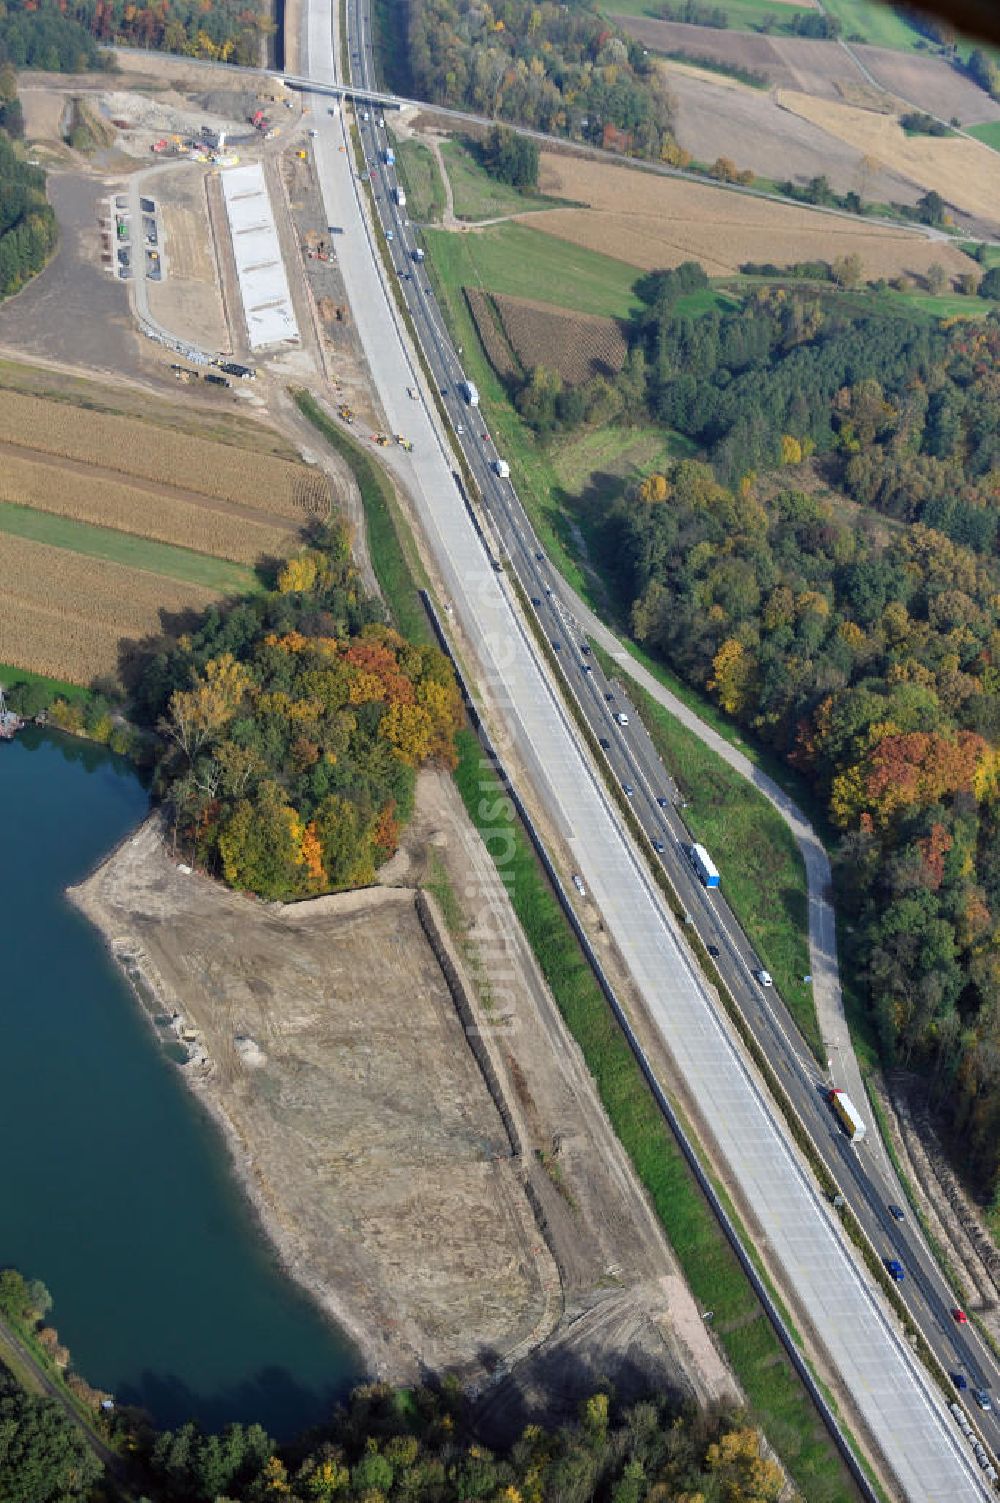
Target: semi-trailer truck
471 393
704 865
848 1115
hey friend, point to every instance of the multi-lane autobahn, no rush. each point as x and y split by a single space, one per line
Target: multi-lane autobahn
904 1412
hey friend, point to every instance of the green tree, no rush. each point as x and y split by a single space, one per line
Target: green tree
43 1455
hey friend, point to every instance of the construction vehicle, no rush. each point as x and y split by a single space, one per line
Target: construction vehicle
345 413
380 439
302 155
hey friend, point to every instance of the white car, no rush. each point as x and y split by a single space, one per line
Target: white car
764 977
621 718
578 884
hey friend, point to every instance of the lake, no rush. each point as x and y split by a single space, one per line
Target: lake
115 1188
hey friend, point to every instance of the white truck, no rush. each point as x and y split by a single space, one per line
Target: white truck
502 468
471 393
704 865
400 198
389 157
848 1115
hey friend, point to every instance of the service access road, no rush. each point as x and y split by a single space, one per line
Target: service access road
900 1407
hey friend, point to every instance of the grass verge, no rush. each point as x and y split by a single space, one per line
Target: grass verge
877 25
763 875
776 1398
10 675
477 195
418 172
394 561
125 548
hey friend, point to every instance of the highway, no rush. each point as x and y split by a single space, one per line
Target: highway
903 1410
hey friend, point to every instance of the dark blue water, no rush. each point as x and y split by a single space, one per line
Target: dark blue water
114 1186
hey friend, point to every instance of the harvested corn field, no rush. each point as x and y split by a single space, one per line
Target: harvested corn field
78 618
652 221
87 494
491 335
135 448
963 172
577 345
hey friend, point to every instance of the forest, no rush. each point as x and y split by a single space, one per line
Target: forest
827 572
290 727
64 35
27 223
557 68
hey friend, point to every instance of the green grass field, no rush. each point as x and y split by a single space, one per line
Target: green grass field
123 548
524 262
762 871
418 171
477 195
744 15
990 133
776 1400
879 25
10 675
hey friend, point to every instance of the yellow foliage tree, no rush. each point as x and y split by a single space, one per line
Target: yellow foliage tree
791 449
408 730
654 488
197 715
734 672
298 574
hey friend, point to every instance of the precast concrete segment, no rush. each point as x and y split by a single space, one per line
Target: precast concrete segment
260 270
905 1414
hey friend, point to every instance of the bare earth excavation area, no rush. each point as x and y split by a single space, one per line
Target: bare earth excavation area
398 1138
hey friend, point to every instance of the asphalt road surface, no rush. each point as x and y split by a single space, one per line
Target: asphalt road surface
904 1411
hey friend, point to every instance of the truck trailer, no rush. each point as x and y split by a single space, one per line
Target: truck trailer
847 1113
704 865
471 393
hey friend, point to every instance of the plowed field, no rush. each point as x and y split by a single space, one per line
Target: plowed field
652 221
577 345
73 617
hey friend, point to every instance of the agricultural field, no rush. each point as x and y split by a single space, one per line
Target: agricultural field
879 25
666 221
168 458
816 67
475 193
719 117
931 84
74 617
521 262
959 170
112 527
179 564
577 345
491 335
162 513
744 15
